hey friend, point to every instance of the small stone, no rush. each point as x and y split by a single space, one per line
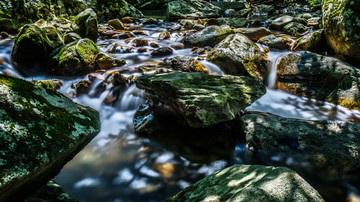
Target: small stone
154 45
163 51
117 24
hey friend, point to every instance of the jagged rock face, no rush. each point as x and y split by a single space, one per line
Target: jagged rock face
341 22
238 55
331 147
191 9
198 99
323 78
40 131
250 183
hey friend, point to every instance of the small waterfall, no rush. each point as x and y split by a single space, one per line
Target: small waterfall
274 59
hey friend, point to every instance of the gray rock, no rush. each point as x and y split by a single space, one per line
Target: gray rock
238 55
71 37
280 22
254 33
41 130
312 41
87 24
191 9
209 36
273 41
250 183
198 99
295 29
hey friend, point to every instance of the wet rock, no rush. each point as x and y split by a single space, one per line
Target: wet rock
105 61
250 183
76 58
264 10
163 51
233 22
117 24
164 35
295 29
327 147
130 20
209 36
254 33
178 46
198 99
50 192
191 9
154 45
341 22
186 64
323 78
312 41
149 21
42 130
280 22
87 24
52 84
31 48
83 87
278 42
107 31
140 42
71 37
141 32
142 50
238 55
198 51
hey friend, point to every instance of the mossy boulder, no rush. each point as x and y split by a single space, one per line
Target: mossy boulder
198 99
87 24
254 33
105 61
323 78
278 42
328 148
295 29
313 41
250 183
341 22
238 55
186 64
76 58
179 9
32 47
209 36
40 131
52 84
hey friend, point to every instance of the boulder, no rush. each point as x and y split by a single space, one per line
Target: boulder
105 61
87 24
341 22
331 147
233 22
71 37
278 42
313 41
295 29
41 130
323 78
186 64
31 48
238 55
280 22
179 9
76 58
254 33
209 36
200 100
250 183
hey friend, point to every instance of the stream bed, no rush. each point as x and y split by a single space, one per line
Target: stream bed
117 165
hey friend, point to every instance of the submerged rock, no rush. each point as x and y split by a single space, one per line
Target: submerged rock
341 22
238 55
273 41
331 147
250 183
323 78
40 131
209 36
191 9
186 64
198 99
76 58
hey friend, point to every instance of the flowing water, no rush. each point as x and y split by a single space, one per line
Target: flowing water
118 165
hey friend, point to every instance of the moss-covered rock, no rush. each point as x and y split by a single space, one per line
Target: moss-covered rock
105 61
191 9
233 22
40 131
186 64
278 42
50 192
331 148
250 183
116 24
341 22
312 41
254 33
295 29
209 36
87 24
323 78
53 84
238 55
198 99
76 58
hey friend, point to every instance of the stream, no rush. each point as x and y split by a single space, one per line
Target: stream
117 165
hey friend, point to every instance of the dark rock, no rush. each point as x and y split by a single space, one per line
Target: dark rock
71 37
264 10
164 35
198 99
50 192
209 36
250 183
83 87
233 22
41 131
130 20
238 55
163 51
295 29
191 9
